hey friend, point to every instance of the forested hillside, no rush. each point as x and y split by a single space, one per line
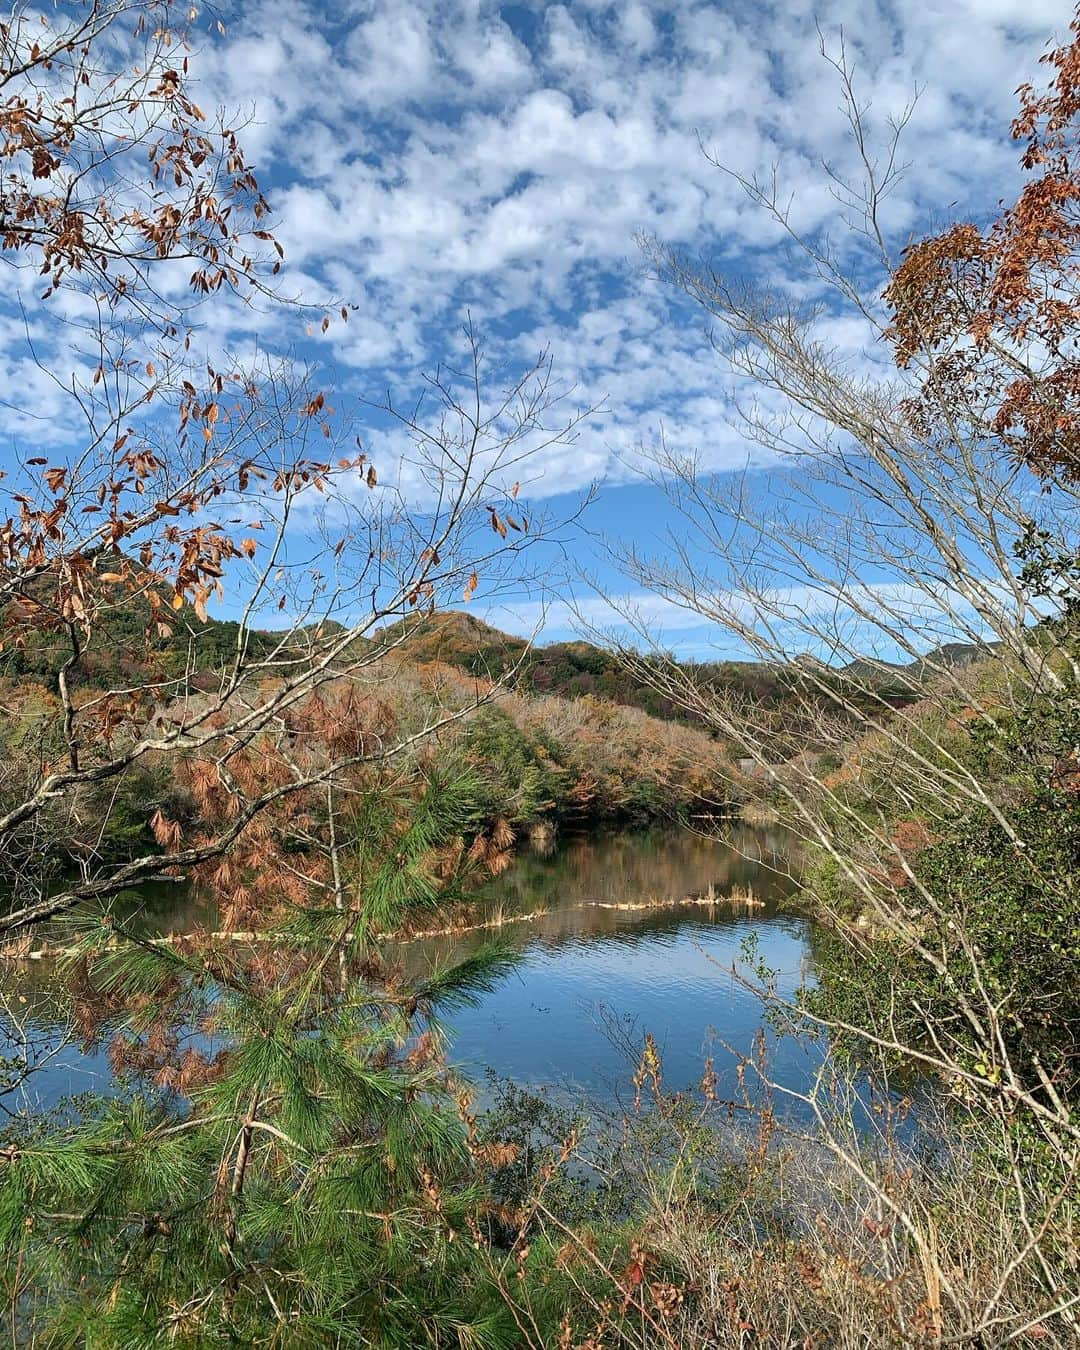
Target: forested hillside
581 668
570 759
236 1116
578 735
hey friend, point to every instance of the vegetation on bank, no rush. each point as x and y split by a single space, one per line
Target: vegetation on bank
540 762
292 1160
987 886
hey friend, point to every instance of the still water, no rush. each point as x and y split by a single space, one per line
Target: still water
604 957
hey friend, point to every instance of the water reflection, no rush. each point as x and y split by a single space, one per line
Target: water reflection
592 977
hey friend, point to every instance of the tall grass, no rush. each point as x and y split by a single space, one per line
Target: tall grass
770 1218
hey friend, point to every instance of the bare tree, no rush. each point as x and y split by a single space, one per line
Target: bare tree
909 584
172 477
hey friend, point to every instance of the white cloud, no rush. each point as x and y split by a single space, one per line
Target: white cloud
427 158
433 157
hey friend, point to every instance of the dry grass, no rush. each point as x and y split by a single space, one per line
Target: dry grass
743 1232
759 815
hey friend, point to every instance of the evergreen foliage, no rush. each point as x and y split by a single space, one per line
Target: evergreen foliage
302 1173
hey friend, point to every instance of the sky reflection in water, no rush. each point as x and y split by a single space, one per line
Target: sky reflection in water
591 980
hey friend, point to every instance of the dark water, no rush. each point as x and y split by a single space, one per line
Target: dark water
591 979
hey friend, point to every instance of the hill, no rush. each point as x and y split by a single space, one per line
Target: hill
578 669
567 669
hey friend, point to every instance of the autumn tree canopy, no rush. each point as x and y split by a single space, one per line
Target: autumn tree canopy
988 315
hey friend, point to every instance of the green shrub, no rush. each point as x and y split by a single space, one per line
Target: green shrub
519 773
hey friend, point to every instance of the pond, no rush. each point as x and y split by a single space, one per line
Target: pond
616 936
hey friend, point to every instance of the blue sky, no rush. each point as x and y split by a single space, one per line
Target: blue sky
432 158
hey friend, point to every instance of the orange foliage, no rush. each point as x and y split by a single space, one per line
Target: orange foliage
991 316
908 839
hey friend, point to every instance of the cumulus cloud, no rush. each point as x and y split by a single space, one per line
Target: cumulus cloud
427 158
435 157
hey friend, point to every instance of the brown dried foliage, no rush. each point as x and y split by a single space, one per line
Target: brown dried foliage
989 316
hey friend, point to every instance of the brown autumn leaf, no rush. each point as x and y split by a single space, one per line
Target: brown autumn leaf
963 301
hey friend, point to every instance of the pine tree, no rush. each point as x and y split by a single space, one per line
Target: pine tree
291 1163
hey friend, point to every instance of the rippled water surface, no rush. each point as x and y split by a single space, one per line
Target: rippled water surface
604 957
594 977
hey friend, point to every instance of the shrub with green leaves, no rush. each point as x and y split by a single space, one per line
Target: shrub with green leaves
520 772
988 912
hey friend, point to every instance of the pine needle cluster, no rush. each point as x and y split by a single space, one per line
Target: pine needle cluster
291 1162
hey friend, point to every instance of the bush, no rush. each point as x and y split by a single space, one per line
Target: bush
520 775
